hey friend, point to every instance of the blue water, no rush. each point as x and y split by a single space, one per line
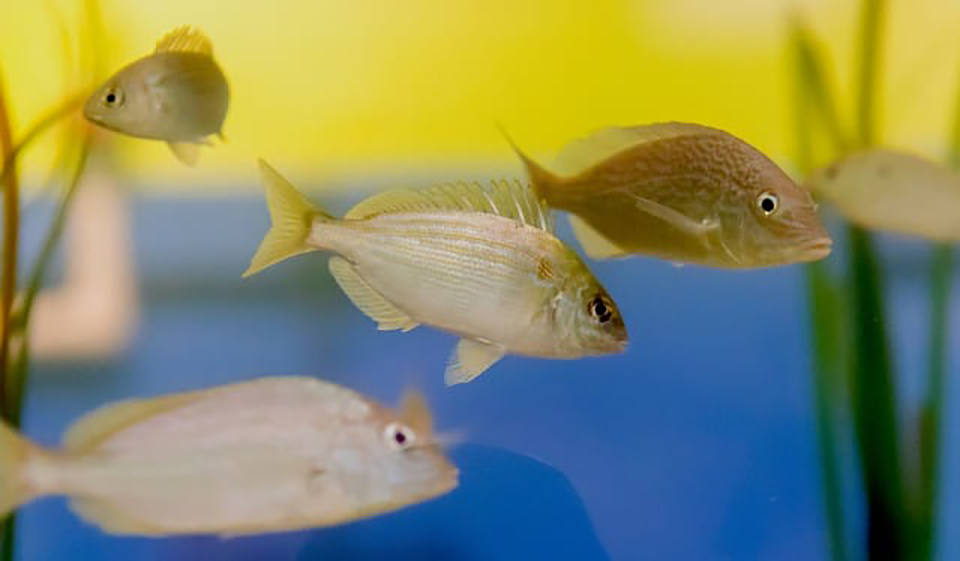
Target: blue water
698 443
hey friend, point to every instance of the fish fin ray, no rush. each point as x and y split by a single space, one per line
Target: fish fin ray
583 154
470 359
367 299
185 38
186 152
291 217
95 427
595 244
501 197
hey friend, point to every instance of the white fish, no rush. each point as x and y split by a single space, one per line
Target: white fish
896 191
267 455
178 94
480 263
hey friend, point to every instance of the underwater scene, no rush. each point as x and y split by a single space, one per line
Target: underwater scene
621 279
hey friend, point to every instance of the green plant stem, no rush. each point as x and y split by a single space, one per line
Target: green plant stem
812 99
873 395
11 226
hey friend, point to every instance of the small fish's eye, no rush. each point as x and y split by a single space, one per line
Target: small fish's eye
398 436
768 203
113 98
601 309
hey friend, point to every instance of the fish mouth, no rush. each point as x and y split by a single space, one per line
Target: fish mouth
817 249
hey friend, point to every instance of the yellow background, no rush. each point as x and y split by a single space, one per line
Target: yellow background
343 88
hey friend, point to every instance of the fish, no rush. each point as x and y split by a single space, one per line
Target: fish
682 192
479 262
895 191
265 455
178 94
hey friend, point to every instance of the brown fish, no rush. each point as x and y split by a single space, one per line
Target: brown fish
682 192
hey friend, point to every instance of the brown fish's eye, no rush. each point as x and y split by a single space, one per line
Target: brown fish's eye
601 309
768 203
114 98
398 436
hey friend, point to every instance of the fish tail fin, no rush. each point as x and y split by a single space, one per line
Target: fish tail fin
14 451
291 217
543 180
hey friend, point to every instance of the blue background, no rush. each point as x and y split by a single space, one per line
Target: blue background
698 443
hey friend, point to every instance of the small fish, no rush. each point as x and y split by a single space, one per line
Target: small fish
681 192
267 455
480 263
895 191
177 94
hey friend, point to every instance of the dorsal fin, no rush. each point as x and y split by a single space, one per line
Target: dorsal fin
582 154
415 413
93 428
185 39
510 199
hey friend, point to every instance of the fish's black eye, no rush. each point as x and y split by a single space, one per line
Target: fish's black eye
768 203
398 436
601 309
113 98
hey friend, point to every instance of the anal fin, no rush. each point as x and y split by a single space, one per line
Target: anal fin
470 359
365 297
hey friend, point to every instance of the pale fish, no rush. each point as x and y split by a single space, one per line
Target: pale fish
682 192
267 455
481 263
896 191
178 94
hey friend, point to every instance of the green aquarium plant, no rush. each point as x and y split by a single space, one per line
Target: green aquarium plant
854 379
16 298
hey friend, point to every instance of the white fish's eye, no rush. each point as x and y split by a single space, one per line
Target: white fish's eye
400 437
113 98
768 203
601 309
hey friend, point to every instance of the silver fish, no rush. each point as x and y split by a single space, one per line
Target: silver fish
267 455
178 94
682 192
480 263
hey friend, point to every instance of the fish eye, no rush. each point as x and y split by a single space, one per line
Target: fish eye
601 309
113 97
398 436
768 203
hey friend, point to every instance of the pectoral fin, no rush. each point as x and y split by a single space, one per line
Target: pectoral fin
471 359
682 222
186 152
365 297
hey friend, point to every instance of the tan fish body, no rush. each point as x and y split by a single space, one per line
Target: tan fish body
895 191
178 94
480 263
267 455
682 192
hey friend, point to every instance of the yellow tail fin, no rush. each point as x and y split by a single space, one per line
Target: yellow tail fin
14 450
291 217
